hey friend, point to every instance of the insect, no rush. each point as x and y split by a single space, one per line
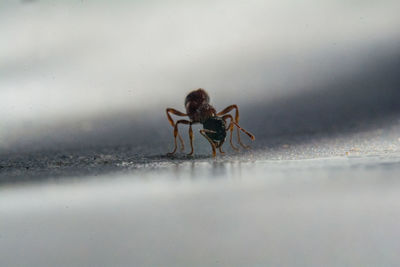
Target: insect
215 126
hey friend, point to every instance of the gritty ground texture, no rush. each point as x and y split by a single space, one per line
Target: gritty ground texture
381 140
247 210
327 201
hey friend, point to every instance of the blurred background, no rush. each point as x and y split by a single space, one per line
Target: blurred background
94 73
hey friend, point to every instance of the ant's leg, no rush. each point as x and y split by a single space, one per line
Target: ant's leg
191 139
171 121
176 134
230 128
246 132
228 109
220 148
230 138
175 112
203 133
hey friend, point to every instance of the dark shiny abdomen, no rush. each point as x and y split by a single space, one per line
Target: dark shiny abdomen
217 125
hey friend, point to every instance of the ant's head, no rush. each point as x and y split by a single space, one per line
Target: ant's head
216 130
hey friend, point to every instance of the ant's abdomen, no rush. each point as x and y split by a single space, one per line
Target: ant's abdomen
216 127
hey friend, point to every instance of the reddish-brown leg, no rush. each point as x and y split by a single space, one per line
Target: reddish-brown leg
203 133
220 149
230 128
176 134
171 121
246 132
191 139
228 109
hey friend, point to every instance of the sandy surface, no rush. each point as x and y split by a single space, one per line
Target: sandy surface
332 201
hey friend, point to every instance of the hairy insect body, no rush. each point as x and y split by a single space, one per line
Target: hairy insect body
199 110
197 106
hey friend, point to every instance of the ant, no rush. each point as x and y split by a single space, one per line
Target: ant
215 127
